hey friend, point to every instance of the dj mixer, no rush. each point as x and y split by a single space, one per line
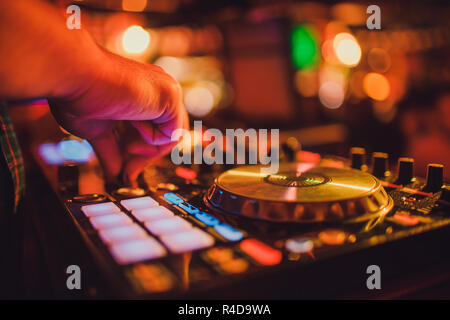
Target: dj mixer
310 230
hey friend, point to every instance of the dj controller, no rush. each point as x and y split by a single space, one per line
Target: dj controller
310 230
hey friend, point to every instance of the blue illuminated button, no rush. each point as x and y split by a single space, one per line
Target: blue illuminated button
228 232
299 245
189 208
139 203
50 154
137 250
173 198
207 219
75 150
190 240
99 209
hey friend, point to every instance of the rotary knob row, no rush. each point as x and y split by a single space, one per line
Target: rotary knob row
380 169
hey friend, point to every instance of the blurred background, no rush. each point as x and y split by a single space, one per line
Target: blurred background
310 68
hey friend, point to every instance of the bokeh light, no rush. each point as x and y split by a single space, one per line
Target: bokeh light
134 5
347 49
199 101
135 40
306 82
304 47
331 94
379 60
376 86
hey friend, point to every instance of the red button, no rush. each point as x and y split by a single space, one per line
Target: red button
405 219
185 173
261 252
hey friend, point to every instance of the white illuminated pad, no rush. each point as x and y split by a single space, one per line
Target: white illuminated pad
190 240
137 250
139 203
152 214
168 226
99 209
122 234
110 221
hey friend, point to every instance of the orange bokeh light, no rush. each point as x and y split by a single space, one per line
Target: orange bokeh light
376 86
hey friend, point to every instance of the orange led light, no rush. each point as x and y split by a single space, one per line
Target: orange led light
376 86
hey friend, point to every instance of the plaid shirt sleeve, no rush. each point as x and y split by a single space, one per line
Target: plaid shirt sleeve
11 152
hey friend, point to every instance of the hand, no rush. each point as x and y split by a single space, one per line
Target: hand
144 100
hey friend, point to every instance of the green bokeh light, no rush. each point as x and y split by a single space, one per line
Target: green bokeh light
305 52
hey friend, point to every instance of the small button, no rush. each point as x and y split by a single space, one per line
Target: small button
333 237
137 250
190 240
173 198
139 203
110 221
261 252
228 232
299 245
406 219
122 234
94 210
219 255
153 278
207 219
168 226
235 266
189 208
152 214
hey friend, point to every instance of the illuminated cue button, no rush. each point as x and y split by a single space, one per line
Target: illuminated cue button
261 252
99 209
406 219
228 232
122 234
110 221
168 226
219 255
333 237
234 266
207 219
139 203
173 198
137 250
151 214
189 208
190 240
299 245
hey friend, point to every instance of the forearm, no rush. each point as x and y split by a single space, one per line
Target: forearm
39 55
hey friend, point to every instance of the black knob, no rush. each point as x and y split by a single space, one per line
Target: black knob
290 148
358 158
380 165
445 195
405 171
435 177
